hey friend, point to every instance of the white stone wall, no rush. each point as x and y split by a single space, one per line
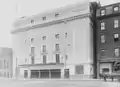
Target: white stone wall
79 37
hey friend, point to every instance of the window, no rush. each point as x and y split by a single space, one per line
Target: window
116 8
102 53
102 12
44 37
102 25
116 37
32 50
4 64
117 52
44 59
32 21
105 70
65 35
102 38
44 18
56 15
57 47
57 36
57 58
7 64
116 23
25 60
44 48
32 40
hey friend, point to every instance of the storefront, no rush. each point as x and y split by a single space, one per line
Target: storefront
41 71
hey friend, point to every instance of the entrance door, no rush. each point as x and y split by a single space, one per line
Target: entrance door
34 73
55 73
44 73
25 73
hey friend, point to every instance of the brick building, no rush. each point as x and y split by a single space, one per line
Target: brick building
108 38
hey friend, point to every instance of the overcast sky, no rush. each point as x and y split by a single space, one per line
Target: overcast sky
10 9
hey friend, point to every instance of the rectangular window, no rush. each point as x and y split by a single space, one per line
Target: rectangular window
116 8
102 12
4 64
32 40
102 53
57 58
57 47
44 59
44 18
44 48
116 37
117 52
25 60
102 25
102 38
65 35
116 23
57 36
105 70
32 60
32 51
44 37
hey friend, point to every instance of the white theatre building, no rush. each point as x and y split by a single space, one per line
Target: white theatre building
48 44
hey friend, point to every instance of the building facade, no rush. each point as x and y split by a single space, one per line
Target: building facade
6 56
55 44
108 38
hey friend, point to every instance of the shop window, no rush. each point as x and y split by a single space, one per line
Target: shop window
105 70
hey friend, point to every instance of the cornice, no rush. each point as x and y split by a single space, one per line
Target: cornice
50 23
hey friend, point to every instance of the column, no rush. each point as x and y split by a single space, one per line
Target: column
29 73
49 74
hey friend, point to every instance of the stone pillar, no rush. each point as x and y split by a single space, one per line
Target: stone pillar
29 73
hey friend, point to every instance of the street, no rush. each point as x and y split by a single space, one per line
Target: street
57 83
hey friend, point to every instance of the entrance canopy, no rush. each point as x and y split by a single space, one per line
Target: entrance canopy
43 66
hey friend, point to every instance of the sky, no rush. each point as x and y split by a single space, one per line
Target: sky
12 9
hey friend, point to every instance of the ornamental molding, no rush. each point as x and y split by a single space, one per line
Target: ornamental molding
50 23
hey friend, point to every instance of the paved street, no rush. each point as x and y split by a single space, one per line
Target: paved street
56 83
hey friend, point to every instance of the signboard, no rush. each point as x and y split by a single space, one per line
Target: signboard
117 66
